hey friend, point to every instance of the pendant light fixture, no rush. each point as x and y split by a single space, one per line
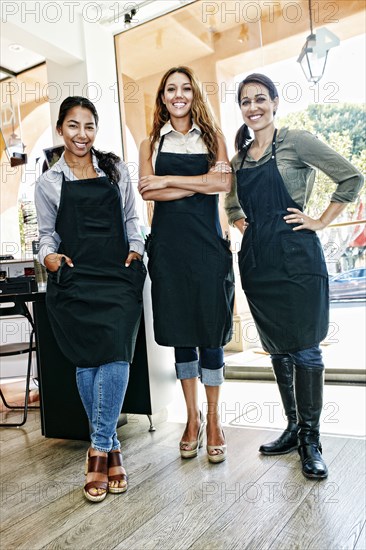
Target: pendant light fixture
314 54
10 125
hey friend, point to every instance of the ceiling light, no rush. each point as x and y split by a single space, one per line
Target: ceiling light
128 17
314 54
16 48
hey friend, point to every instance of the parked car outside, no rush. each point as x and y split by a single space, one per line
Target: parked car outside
348 285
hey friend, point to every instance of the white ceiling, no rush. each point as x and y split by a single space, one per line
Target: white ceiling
17 61
109 14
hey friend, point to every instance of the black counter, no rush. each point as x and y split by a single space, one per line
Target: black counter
62 413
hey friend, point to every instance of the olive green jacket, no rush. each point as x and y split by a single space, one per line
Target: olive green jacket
298 153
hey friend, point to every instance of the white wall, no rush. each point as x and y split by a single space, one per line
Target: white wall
80 60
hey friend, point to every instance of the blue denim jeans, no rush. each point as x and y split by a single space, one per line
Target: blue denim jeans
310 358
102 390
208 364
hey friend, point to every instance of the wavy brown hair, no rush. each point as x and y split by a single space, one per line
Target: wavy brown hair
201 114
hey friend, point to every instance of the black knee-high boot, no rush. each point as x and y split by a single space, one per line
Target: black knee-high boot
284 371
309 401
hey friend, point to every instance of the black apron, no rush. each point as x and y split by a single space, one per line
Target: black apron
94 308
283 272
190 264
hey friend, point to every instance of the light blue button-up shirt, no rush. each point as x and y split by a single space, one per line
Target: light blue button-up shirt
47 200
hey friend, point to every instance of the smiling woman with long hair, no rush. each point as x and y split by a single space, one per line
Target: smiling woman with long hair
183 168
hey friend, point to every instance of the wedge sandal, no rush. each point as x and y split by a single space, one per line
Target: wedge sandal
98 464
115 459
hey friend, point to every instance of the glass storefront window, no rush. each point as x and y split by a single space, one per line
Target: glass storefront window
222 42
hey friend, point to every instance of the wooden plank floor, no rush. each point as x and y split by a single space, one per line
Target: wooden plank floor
248 502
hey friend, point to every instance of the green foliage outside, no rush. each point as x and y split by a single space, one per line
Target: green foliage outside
330 119
342 127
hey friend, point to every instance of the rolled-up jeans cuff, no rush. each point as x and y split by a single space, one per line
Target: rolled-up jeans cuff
187 370
212 377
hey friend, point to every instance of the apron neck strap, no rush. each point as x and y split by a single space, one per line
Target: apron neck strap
246 149
161 143
274 144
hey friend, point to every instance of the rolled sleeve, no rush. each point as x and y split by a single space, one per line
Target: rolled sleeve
317 154
134 236
46 209
232 205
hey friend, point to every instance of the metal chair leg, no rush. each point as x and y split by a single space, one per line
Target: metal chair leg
25 407
15 407
152 427
2 397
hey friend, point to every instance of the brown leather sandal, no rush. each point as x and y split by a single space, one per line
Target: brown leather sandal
96 464
115 459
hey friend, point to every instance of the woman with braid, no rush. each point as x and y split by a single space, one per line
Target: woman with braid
91 245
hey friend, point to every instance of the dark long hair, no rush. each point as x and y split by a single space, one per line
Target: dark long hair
106 161
243 137
201 114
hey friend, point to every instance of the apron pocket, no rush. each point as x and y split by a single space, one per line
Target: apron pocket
138 270
153 247
226 256
62 277
303 254
246 258
194 205
139 267
95 222
229 293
